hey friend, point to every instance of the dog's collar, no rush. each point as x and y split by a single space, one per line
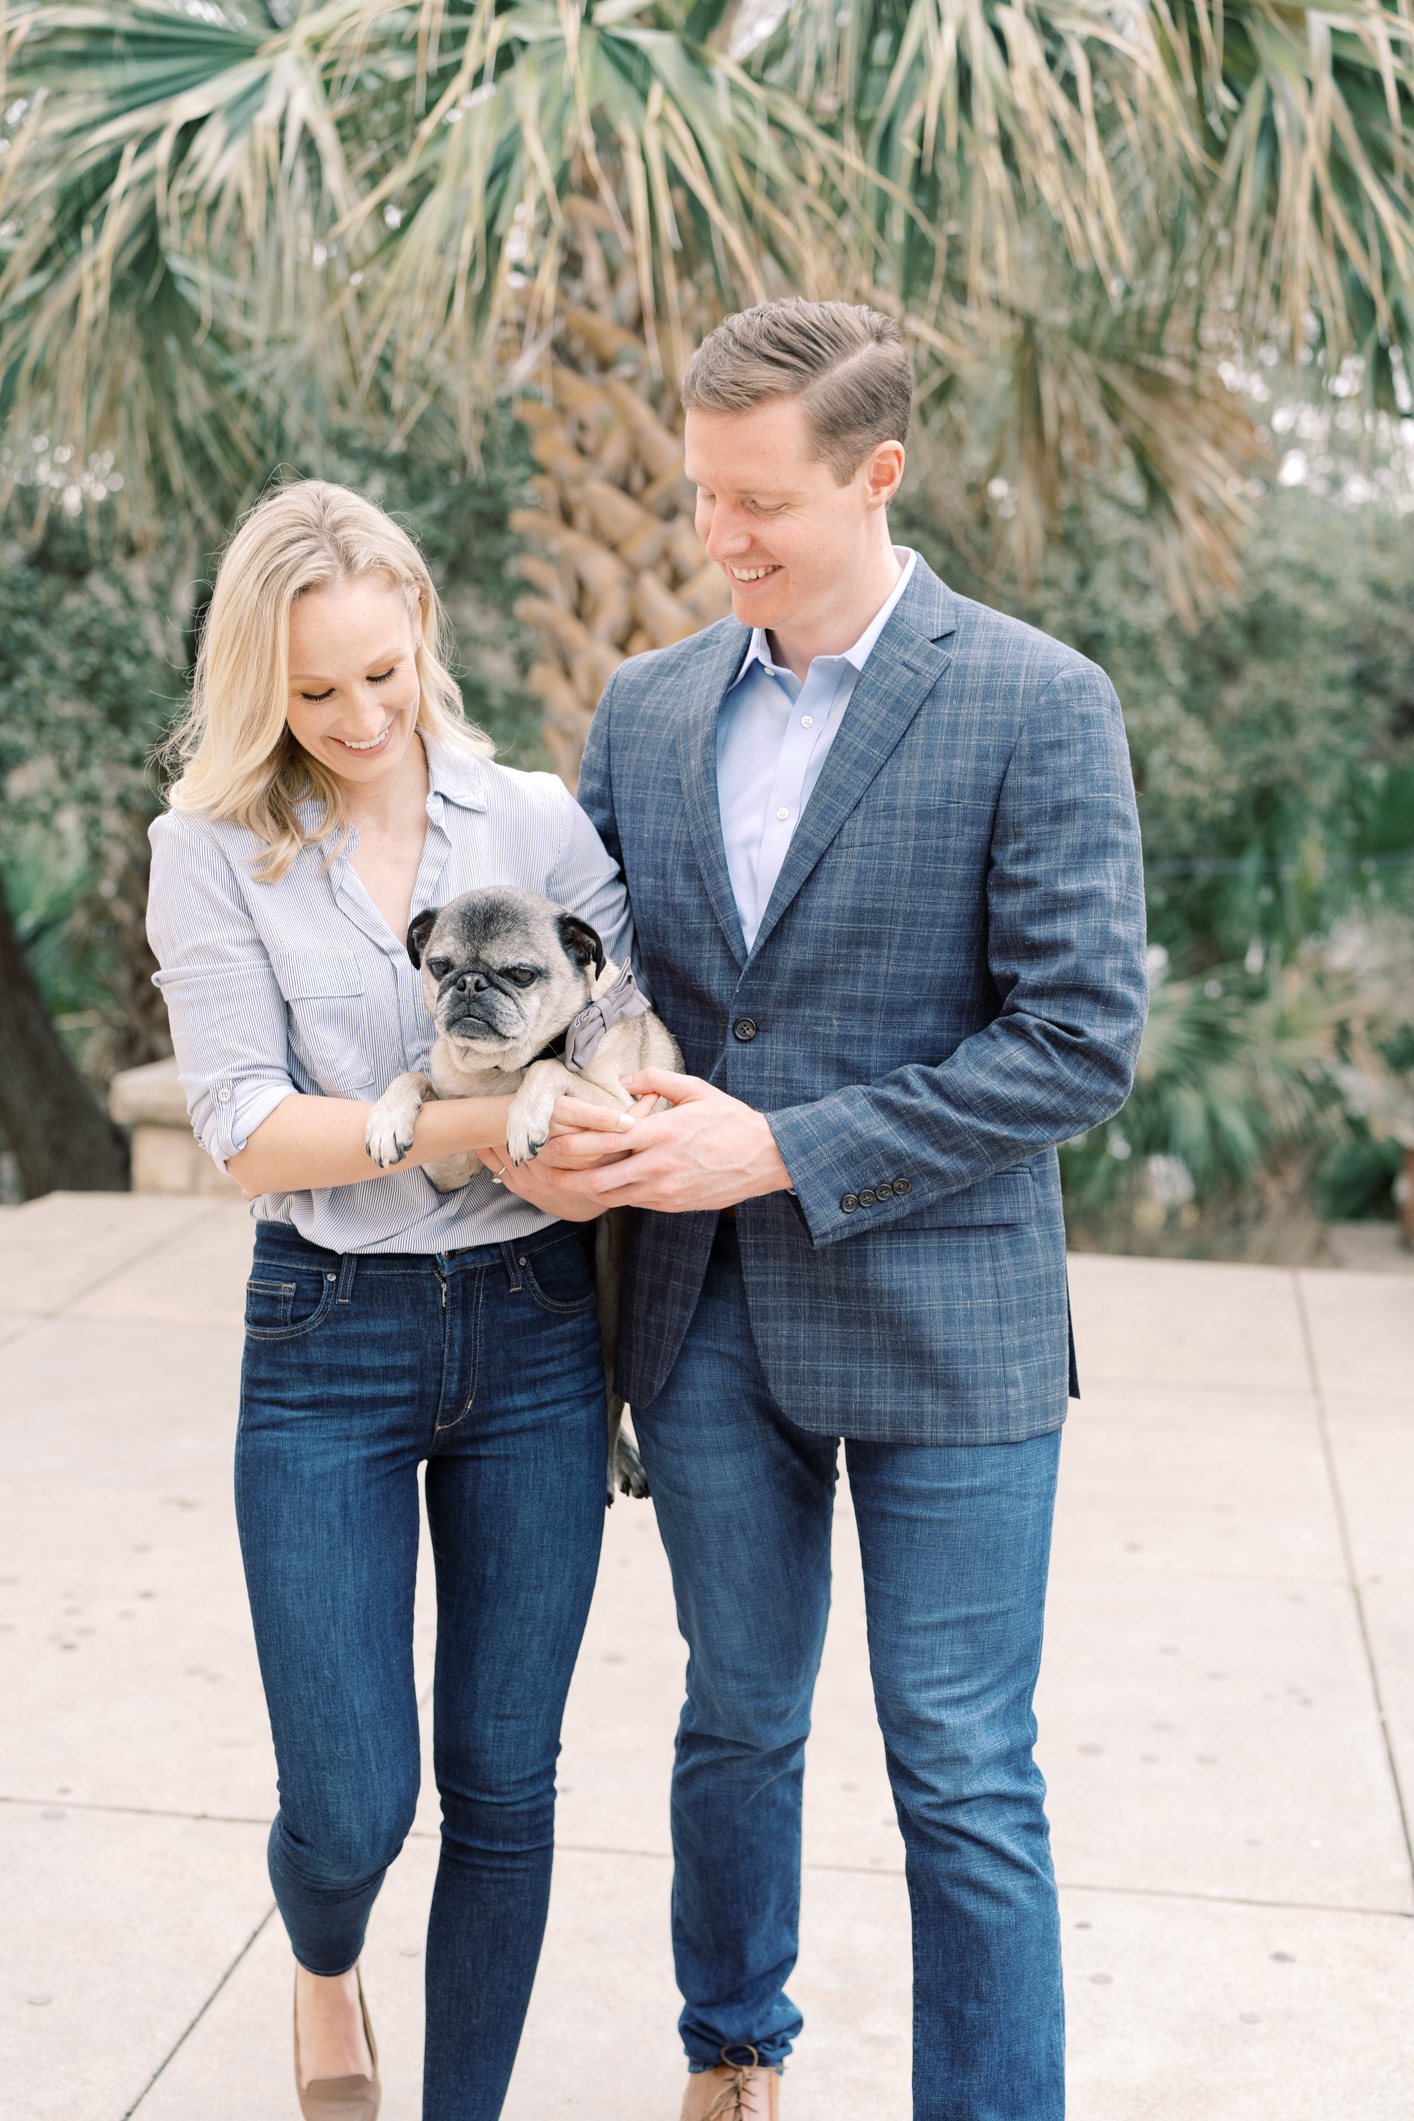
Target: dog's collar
584 1034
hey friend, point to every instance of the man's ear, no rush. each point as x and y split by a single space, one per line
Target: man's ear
581 942
419 931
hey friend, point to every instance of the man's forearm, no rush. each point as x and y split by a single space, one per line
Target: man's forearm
1003 1096
309 1143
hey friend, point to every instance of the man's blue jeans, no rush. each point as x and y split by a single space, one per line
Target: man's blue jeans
955 1544
486 1363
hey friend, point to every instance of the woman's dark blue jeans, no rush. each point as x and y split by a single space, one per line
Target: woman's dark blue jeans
486 1364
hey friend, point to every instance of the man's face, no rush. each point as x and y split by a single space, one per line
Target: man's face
770 512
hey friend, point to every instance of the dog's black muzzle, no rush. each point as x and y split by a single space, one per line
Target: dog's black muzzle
471 1003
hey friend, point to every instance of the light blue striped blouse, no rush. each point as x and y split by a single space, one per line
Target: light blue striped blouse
302 986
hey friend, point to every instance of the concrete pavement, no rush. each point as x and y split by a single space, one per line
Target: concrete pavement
1226 1710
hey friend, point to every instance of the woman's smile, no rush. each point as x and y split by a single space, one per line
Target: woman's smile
374 743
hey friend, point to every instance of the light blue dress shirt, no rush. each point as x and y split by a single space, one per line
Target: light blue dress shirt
300 986
774 734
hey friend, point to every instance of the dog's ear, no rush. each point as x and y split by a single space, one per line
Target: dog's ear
581 942
419 931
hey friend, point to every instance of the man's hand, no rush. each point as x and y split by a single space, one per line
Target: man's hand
597 1126
583 1135
710 1151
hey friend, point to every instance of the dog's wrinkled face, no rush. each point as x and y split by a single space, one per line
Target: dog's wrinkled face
504 972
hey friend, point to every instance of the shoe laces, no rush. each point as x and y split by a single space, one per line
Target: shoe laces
730 2102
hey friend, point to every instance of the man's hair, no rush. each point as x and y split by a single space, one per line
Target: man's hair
845 363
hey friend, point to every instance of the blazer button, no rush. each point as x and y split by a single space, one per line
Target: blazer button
866 1198
884 1192
900 1186
850 1203
744 1029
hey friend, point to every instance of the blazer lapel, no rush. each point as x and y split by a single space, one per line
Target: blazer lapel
905 665
724 649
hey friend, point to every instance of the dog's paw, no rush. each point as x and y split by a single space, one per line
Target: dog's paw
524 1138
388 1135
528 1124
626 1471
528 1121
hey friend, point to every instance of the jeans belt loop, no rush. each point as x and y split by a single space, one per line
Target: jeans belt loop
512 1259
348 1267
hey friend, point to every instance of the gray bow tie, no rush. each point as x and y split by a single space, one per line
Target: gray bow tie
615 1006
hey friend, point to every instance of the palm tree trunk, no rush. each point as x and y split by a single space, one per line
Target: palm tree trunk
60 1135
613 511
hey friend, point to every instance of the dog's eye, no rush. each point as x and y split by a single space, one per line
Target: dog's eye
439 967
522 975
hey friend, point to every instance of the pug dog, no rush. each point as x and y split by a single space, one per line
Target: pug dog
527 1005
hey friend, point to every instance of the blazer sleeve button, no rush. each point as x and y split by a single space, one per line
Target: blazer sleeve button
900 1186
744 1029
850 1203
884 1192
866 1198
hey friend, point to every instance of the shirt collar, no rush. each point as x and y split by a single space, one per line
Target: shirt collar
863 648
458 775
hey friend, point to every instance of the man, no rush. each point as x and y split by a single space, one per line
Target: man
884 862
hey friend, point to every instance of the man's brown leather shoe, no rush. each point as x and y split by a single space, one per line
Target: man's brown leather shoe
735 2092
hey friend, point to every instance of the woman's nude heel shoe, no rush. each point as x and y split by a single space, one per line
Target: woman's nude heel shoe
341 2098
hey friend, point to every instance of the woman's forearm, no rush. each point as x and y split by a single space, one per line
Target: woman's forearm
309 1143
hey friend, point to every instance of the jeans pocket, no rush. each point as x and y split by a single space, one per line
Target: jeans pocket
559 1276
282 1310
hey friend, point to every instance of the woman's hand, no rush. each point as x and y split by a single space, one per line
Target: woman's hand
532 1182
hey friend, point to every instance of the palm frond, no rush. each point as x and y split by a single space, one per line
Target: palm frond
1228 1077
209 220
168 242
1305 114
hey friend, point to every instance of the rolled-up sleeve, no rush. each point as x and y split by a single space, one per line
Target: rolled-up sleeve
224 1005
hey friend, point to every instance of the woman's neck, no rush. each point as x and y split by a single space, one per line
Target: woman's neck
391 820
391 808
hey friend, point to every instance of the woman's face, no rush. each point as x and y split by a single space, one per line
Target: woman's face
354 688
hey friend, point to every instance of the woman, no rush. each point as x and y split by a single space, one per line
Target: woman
331 788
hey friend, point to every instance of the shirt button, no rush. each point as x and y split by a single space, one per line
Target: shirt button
849 1203
807 721
782 815
223 1097
744 1029
866 1198
900 1186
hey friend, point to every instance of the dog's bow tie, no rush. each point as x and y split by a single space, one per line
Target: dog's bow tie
615 1005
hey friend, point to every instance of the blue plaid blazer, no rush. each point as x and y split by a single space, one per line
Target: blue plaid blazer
949 980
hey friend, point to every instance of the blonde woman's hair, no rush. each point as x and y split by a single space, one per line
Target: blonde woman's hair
237 755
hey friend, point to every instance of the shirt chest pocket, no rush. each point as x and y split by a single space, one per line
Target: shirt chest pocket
328 1013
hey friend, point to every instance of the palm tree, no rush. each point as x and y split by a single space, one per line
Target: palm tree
218 219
